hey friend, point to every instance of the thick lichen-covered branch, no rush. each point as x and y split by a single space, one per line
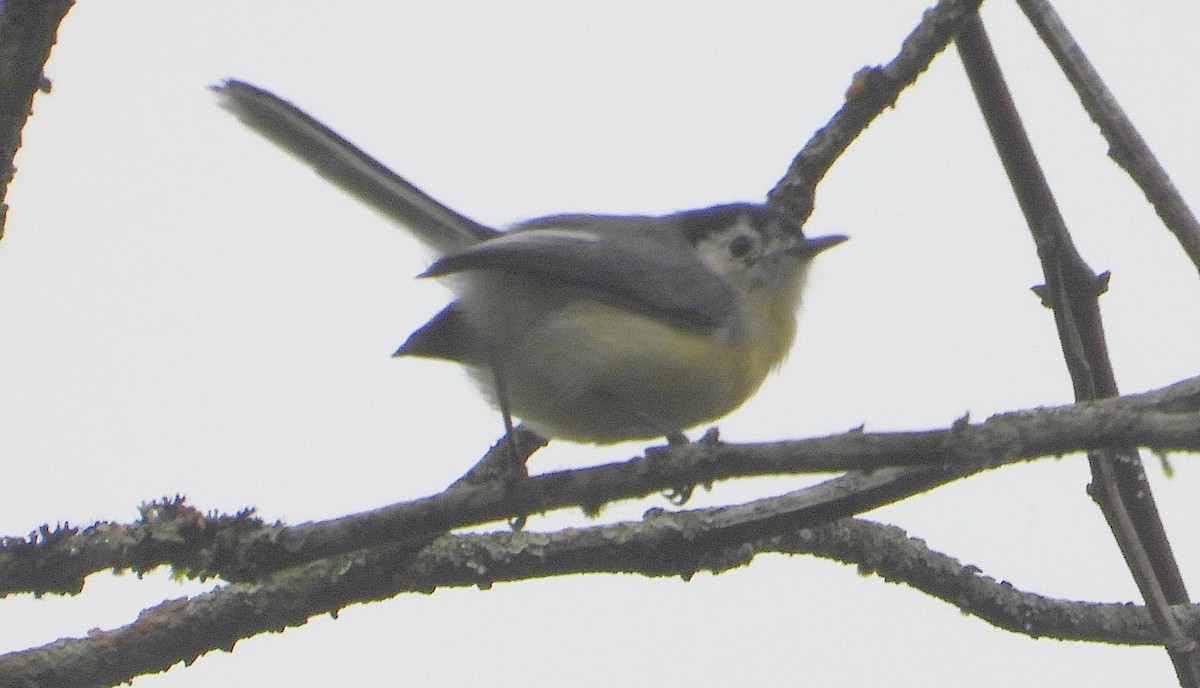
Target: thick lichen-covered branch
661 544
884 467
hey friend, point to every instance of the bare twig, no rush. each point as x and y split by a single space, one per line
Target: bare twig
1071 290
1125 145
873 90
496 464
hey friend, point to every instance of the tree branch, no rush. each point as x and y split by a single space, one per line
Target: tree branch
27 30
872 90
662 544
1118 481
900 464
1125 145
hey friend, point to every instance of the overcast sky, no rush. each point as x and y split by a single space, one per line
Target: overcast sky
184 309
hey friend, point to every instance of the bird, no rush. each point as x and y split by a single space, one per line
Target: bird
589 328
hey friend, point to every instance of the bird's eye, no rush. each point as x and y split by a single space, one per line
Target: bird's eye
740 245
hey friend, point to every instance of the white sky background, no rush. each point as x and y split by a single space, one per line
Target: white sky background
184 309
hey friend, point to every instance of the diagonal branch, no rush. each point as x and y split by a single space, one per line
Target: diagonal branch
1126 146
873 90
1118 481
27 31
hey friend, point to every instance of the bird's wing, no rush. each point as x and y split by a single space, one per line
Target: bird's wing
653 273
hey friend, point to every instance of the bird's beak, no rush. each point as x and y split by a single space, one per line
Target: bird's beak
812 247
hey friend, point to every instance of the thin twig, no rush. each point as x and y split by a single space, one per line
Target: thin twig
1125 144
873 90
